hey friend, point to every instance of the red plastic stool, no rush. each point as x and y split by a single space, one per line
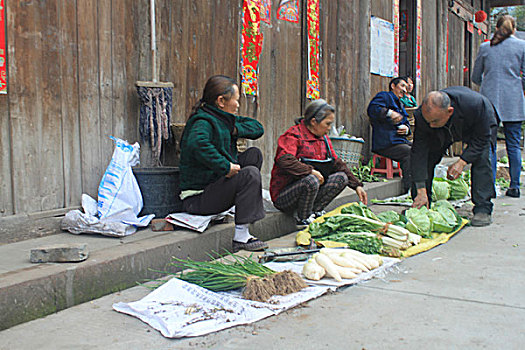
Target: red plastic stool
386 166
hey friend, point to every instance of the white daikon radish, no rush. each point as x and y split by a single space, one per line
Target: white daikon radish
355 262
339 260
313 271
346 272
329 266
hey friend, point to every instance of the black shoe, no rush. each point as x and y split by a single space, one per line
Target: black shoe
481 219
513 192
319 213
253 245
304 223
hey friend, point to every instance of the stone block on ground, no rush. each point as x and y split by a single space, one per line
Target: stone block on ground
59 253
161 225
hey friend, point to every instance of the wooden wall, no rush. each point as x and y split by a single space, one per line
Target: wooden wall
72 68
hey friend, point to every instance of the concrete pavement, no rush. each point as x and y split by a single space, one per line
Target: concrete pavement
466 294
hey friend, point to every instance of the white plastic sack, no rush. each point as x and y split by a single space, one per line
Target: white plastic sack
78 222
119 197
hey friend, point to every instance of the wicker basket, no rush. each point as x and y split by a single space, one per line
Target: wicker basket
349 150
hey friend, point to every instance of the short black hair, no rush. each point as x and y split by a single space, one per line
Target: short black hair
396 81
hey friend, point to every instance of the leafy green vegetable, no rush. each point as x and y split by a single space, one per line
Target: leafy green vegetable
392 200
458 188
363 243
440 189
439 224
363 173
392 217
418 221
447 211
317 229
359 209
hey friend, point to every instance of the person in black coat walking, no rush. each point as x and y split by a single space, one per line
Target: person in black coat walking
455 114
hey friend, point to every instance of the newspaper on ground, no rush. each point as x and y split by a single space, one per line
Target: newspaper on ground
197 223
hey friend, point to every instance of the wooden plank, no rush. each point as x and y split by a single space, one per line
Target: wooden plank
6 185
49 167
198 38
104 10
328 29
6 194
456 38
25 105
429 54
363 93
92 161
69 103
381 9
178 60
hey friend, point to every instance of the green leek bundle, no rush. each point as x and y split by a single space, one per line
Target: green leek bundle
260 282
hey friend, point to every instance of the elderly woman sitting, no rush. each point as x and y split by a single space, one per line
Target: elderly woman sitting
307 174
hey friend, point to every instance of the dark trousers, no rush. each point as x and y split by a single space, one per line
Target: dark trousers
400 153
482 183
244 190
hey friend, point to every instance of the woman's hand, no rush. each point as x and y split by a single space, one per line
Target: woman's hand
234 169
361 193
318 175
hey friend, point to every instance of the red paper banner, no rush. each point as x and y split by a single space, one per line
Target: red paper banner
289 11
312 18
470 27
418 42
266 11
3 65
251 46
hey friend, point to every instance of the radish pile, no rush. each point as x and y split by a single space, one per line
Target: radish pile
339 264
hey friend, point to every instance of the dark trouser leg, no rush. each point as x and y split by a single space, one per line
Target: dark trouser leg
242 190
300 196
252 156
400 153
482 188
512 141
334 185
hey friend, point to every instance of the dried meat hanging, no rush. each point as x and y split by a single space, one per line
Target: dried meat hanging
156 103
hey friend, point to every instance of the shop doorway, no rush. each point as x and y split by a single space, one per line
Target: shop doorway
407 39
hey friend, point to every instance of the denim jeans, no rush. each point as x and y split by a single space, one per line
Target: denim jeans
512 141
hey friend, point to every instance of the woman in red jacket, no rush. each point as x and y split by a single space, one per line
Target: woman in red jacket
307 174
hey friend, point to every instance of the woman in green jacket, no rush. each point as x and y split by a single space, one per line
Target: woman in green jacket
213 176
408 100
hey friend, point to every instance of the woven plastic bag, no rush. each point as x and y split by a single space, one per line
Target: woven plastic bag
119 196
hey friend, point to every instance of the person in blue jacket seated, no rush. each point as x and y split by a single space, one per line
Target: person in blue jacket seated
390 127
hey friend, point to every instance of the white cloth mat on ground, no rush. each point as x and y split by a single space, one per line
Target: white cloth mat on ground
180 309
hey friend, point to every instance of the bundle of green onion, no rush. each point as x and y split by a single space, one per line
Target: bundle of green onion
221 276
259 281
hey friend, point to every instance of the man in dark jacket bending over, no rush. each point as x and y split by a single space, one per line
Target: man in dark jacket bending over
455 114
390 126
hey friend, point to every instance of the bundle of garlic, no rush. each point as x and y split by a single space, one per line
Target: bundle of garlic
339 264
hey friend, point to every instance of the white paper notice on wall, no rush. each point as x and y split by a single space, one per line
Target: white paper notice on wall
381 47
